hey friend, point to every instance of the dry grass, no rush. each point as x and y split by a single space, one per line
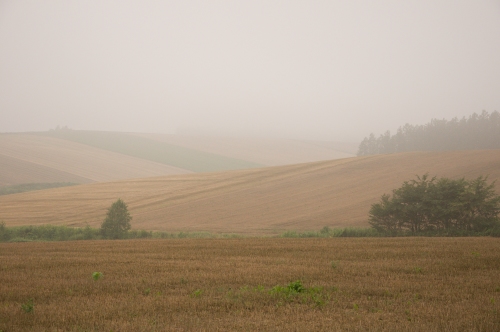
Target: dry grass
299 197
409 284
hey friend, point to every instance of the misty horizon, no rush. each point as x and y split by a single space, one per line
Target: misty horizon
302 70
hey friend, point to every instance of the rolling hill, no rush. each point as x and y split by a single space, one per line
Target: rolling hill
28 158
264 151
307 196
153 150
80 157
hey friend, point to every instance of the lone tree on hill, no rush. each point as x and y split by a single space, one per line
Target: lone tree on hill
117 221
430 204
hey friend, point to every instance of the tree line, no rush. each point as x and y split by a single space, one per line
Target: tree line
478 131
439 206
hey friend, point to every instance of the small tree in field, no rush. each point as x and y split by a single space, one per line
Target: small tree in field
117 221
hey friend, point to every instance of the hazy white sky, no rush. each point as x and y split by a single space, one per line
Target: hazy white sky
298 69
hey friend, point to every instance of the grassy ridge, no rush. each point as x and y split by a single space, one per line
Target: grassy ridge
65 233
152 150
258 284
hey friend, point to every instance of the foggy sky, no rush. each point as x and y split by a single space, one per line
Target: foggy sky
298 69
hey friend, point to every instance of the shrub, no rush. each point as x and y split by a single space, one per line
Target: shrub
4 232
438 206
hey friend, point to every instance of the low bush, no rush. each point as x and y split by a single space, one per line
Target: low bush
335 232
65 233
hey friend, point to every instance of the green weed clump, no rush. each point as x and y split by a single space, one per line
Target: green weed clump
197 293
296 291
97 275
28 307
291 289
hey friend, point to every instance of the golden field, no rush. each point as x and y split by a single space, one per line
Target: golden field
309 196
375 284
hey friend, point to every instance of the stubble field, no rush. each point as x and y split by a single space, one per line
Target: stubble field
397 284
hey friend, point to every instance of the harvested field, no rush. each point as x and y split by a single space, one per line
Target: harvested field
389 284
300 197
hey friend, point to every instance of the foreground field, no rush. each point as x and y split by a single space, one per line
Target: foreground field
418 284
302 197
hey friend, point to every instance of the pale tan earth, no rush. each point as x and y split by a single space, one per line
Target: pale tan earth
17 171
265 151
264 201
26 158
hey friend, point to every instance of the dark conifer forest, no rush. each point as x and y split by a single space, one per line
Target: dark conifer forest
478 131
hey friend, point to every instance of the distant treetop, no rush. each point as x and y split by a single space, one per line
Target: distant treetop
479 131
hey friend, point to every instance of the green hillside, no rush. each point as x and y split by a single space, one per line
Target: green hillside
160 152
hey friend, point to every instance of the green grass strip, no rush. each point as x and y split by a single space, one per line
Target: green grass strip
24 187
152 150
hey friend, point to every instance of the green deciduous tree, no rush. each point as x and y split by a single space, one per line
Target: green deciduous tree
117 221
431 204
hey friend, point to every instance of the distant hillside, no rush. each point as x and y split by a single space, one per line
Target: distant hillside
84 156
307 196
153 150
27 158
264 151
